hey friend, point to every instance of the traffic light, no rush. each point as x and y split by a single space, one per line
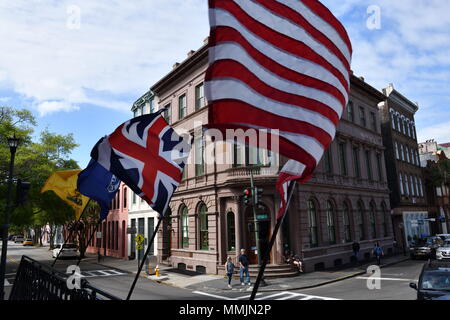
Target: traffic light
248 197
22 190
258 198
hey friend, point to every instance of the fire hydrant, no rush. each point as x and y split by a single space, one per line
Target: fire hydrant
157 271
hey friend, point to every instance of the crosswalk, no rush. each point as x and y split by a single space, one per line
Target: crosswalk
285 295
101 273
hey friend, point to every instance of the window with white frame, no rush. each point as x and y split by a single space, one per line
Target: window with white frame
401 152
416 185
397 153
413 192
406 185
402 191
420 187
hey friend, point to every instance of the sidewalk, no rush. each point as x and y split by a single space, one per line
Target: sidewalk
217 283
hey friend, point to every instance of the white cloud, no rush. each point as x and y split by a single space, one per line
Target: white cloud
439 132
119 49
49 107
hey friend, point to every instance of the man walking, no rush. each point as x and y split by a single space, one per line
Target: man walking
355 248
243 268
378 252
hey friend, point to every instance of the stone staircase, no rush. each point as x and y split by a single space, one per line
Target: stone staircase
271 271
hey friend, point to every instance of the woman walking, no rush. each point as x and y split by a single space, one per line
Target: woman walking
229 267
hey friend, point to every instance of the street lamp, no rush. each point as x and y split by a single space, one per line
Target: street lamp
13 144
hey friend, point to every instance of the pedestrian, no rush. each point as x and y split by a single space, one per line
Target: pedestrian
297 262
378 252
229 268
355 248
243 268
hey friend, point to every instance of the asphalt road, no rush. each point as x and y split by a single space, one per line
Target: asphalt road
113 281
391 284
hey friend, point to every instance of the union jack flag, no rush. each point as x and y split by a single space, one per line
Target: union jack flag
148 156
279 64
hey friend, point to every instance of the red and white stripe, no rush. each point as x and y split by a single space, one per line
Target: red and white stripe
279 64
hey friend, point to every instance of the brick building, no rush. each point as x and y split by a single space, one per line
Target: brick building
347 199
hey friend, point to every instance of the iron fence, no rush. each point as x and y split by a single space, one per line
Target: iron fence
36 281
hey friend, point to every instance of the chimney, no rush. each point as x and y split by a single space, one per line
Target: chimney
190 53
206 40
176 65
361 78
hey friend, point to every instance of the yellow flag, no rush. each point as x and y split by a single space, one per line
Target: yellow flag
64 184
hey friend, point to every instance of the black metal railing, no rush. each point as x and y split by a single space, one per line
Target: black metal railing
36 281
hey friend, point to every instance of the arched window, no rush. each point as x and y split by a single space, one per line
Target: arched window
125 198
330 223
184 227
361 227
313 232
203 226
373 220
231 232
384 218
346 219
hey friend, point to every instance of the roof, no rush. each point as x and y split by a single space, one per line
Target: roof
445 145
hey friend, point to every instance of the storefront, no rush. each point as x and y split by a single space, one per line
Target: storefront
416 225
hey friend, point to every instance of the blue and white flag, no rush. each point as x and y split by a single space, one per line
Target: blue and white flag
98 184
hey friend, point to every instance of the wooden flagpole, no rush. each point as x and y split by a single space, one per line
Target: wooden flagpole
272 241
145 257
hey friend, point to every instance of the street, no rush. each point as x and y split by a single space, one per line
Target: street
393 282
113 281
394 285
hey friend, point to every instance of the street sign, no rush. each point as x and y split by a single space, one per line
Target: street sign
99 235
139 239
131 230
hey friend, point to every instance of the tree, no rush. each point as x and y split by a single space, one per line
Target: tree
35 161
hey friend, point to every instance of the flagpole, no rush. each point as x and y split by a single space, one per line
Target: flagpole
70 234
272 241
144 258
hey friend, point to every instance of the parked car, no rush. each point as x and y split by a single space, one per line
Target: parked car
444 236
69 250
425 248
434 281
11 237
443 252
27 242
18 239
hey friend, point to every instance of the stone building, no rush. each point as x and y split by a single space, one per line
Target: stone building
347 199
408 198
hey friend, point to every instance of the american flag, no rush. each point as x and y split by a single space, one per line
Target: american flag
279 64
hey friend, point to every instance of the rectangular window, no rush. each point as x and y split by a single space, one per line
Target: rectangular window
393 120
362 116
150 231
168 113
356 162
152 105
132 242
401 153
343 159
199 96
373 121
328 161
379 167
141 230
182 107
397 153
350 112
199 157
237 155
369 165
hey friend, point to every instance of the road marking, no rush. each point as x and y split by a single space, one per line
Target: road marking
213 295
285 295
100 273
12 259
387 279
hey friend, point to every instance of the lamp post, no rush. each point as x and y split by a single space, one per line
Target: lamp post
13 143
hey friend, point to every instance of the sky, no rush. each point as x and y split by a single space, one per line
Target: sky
79 65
